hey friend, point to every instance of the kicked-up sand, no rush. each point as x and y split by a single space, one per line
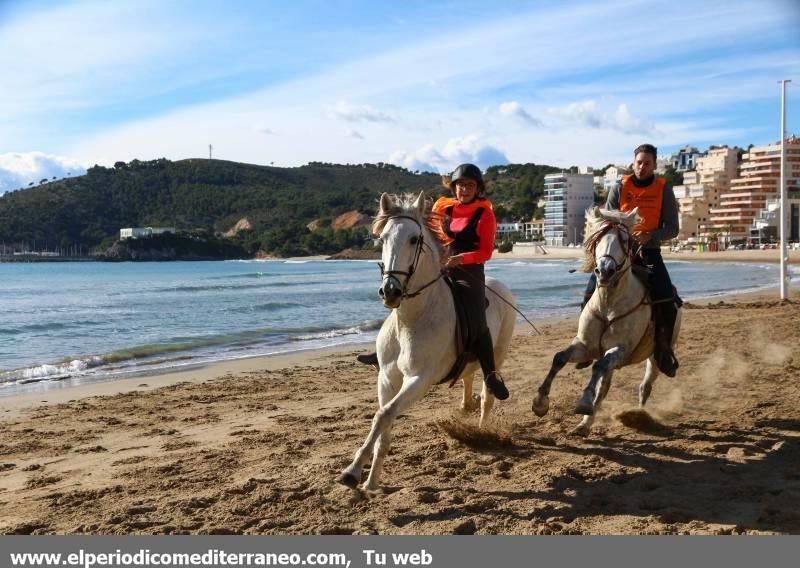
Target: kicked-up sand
256 448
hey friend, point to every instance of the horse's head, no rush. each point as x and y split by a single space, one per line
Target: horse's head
608 243
401 226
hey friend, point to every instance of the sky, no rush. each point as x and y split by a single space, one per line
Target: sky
421 84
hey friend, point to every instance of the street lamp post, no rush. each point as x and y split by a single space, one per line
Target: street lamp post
783 217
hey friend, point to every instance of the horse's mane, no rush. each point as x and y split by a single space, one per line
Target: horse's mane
596 220
404 205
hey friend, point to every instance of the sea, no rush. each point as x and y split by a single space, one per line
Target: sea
64 324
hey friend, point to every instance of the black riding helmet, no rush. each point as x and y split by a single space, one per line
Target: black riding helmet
467 171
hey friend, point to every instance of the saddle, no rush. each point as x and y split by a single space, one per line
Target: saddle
643 274
463 339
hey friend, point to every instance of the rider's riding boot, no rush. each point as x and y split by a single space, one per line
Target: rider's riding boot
485 352
664 320
494 382
368 359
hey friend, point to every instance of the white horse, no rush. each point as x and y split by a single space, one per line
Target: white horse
416 345
615 327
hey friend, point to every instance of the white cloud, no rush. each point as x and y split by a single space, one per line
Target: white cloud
429 83
591 115
363 113
354 134
454 152
19 170
514 109
630 124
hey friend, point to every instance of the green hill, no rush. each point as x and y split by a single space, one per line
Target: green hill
213 195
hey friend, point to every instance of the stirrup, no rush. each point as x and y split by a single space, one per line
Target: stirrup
368 359
494 382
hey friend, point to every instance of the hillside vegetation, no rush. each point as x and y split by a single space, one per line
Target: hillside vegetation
213 195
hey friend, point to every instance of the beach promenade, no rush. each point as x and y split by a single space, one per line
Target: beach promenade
254 446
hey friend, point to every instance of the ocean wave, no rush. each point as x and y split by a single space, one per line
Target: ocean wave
269 307
51 372
46 327
242 275
364 327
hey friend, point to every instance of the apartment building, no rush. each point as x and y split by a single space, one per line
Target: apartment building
613 176
747 195
566 199
701 189
686 158
766 226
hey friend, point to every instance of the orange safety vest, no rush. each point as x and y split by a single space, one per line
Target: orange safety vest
648 199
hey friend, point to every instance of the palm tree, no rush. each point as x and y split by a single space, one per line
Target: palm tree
727 230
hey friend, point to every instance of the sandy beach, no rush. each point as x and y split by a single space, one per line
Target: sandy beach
254 447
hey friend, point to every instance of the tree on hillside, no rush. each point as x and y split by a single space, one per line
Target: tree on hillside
672 176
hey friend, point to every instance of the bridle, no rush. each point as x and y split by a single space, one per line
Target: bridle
627 247
626 241
412 267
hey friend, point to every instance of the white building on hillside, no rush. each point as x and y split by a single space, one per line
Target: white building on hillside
144 232
566 199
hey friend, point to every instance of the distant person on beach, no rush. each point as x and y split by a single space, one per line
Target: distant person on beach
659 212
469 225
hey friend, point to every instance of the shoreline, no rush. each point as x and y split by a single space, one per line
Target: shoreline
733 256
12 405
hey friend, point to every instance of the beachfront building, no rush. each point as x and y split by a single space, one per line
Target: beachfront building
701 190
759 176
144 232
766 226
662 163
613 177
566 199
534 229
531 230
686 158
510 230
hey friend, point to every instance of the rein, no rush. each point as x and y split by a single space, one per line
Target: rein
413 267
608 322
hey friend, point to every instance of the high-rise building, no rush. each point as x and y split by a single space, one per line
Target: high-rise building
701 189
566 199
759 176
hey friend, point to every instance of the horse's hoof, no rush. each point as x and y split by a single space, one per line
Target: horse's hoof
347 479
541 404
581 430
584 408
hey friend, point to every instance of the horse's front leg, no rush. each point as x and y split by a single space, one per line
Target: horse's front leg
387 390
575 352
610 361
412 390
585 425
